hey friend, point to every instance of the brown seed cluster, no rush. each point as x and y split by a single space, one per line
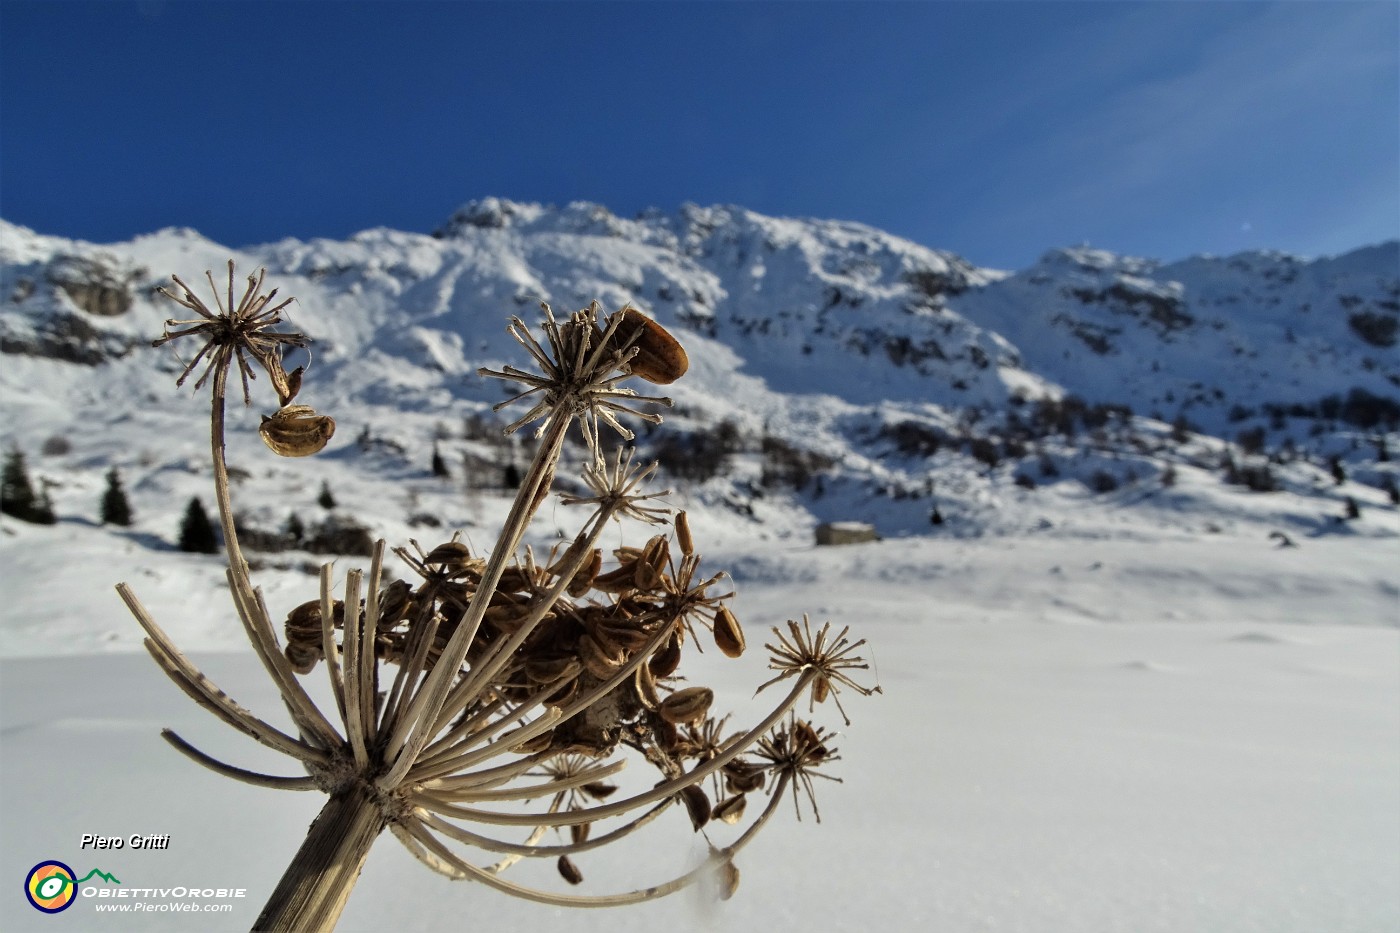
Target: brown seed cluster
645 603
509 679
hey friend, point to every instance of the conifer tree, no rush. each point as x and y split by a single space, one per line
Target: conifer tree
116 510
17 496
294 529
440 465
325 500
196 531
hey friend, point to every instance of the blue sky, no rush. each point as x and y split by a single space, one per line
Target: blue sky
992 129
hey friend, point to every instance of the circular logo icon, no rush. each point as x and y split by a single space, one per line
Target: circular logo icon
50 887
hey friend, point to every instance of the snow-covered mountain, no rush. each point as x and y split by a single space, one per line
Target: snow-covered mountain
838 372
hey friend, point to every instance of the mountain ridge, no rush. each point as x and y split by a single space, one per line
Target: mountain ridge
851 369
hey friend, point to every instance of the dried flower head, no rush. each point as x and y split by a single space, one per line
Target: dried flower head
794 753
618 485
579 375
484 684
799 652
236 332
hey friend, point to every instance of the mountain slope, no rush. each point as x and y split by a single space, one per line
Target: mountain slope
837 371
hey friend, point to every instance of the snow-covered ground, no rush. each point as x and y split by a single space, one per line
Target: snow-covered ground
1113 700
1076 734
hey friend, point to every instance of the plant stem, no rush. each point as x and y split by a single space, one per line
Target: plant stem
317 883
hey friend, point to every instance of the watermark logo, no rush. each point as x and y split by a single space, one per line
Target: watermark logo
52 886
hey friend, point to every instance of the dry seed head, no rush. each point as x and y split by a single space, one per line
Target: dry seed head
531 646
579 376
235 333
797 751
829 657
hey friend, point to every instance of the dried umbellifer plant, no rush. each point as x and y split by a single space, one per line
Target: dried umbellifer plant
483 682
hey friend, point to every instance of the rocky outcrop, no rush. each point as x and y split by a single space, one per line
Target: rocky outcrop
97 285
64 336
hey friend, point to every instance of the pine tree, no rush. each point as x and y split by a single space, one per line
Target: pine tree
196 532
511 476
325 500
17 496
440 465
294 529
116 510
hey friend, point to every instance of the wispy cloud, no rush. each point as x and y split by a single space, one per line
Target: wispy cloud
1274 96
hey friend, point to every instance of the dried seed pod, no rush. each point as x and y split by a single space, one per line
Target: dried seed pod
665 661
728 880
287 384
646 688
688 705
506 619
652 563
742 778
452 553
683 537
598 790
697 805
660 358
395 602
305 620
646 578
583 580
296 431
620 580
579 832
514 580
728 635
622 635
548 670
596 659
303 657
729 810
569 871
820 688
807 740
